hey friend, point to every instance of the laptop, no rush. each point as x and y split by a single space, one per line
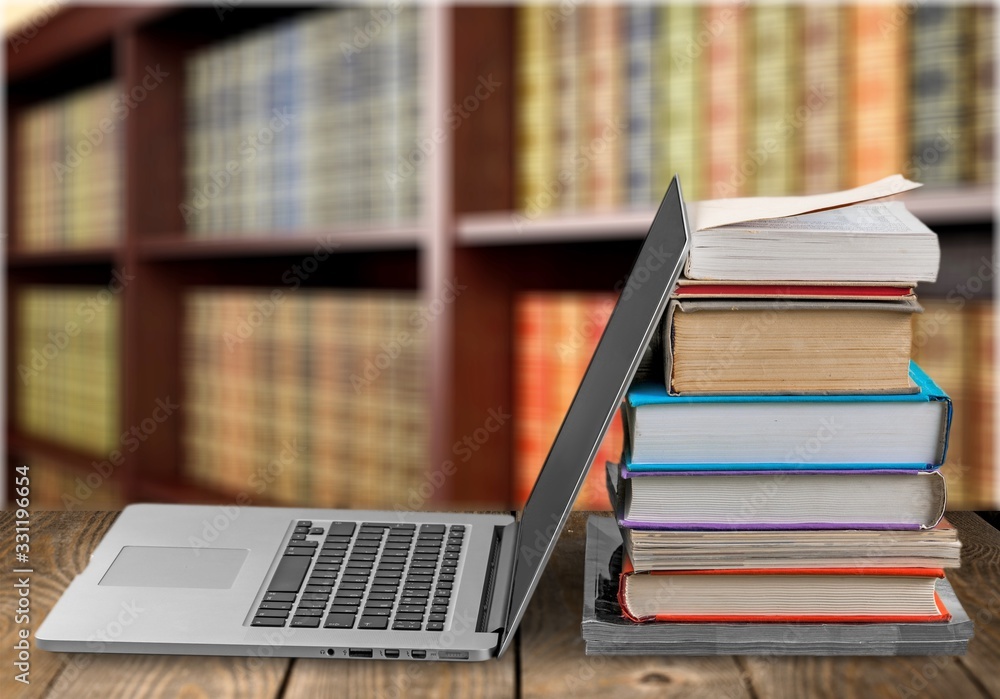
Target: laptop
320 583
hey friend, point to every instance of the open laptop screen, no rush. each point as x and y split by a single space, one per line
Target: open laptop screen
629 330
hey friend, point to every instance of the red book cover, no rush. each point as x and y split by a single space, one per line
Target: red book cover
941 615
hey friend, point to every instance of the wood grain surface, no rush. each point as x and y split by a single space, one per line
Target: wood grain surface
547 659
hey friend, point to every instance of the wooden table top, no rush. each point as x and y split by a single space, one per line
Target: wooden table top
547 659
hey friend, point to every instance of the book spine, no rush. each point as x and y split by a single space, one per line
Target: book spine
663 171
985 484
823 67
536 90
984 95
879 79
938 73
605 128
639 40
774 143
684 103
570 88
726 80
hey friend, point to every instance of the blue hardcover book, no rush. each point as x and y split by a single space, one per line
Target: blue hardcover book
903 432
641 24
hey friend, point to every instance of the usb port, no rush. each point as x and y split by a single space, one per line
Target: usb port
418 654
392 652
359 653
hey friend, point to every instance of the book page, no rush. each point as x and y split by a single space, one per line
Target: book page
712 213
890 217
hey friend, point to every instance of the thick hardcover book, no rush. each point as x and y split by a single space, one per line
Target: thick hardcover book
777 500
786 345
608 632
670 549
906 431
814 595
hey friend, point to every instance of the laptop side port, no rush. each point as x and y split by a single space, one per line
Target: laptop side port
392 652
418 654
359 653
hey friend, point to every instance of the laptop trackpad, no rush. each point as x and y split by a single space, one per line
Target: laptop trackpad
166 566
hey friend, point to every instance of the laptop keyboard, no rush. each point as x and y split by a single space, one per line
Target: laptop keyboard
367 575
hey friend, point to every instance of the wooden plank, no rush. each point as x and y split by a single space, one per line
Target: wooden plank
60 546
977 584
552 650
395 680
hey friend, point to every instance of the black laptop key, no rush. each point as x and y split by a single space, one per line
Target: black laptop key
321 573
279 596
441 601
308 611
432 528
383 588
443 585
373 622
409 616
446 578
328 567
290 573
422 564
340 528
402 526
312 604
374 535
339 621
406 626
278 613
315 597
309 622
267 621
349 609
382 596
411 608
413 599
436 617
379 603
435 626
353 586
413 585
316 531
376 611
355 579
300 530
319 588
394 546
297 537
275 605
388 565
453 549
439 609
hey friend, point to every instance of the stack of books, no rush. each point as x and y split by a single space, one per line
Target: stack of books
786 470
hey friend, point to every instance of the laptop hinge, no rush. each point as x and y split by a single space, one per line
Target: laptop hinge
500 573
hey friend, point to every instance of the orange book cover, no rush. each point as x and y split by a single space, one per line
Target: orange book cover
942 615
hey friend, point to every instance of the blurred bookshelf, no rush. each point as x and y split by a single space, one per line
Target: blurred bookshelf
370 239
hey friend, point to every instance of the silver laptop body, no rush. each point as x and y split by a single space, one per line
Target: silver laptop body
182 579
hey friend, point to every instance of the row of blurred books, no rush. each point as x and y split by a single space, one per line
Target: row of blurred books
312 120
556 334
743 101
69 183
316 398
